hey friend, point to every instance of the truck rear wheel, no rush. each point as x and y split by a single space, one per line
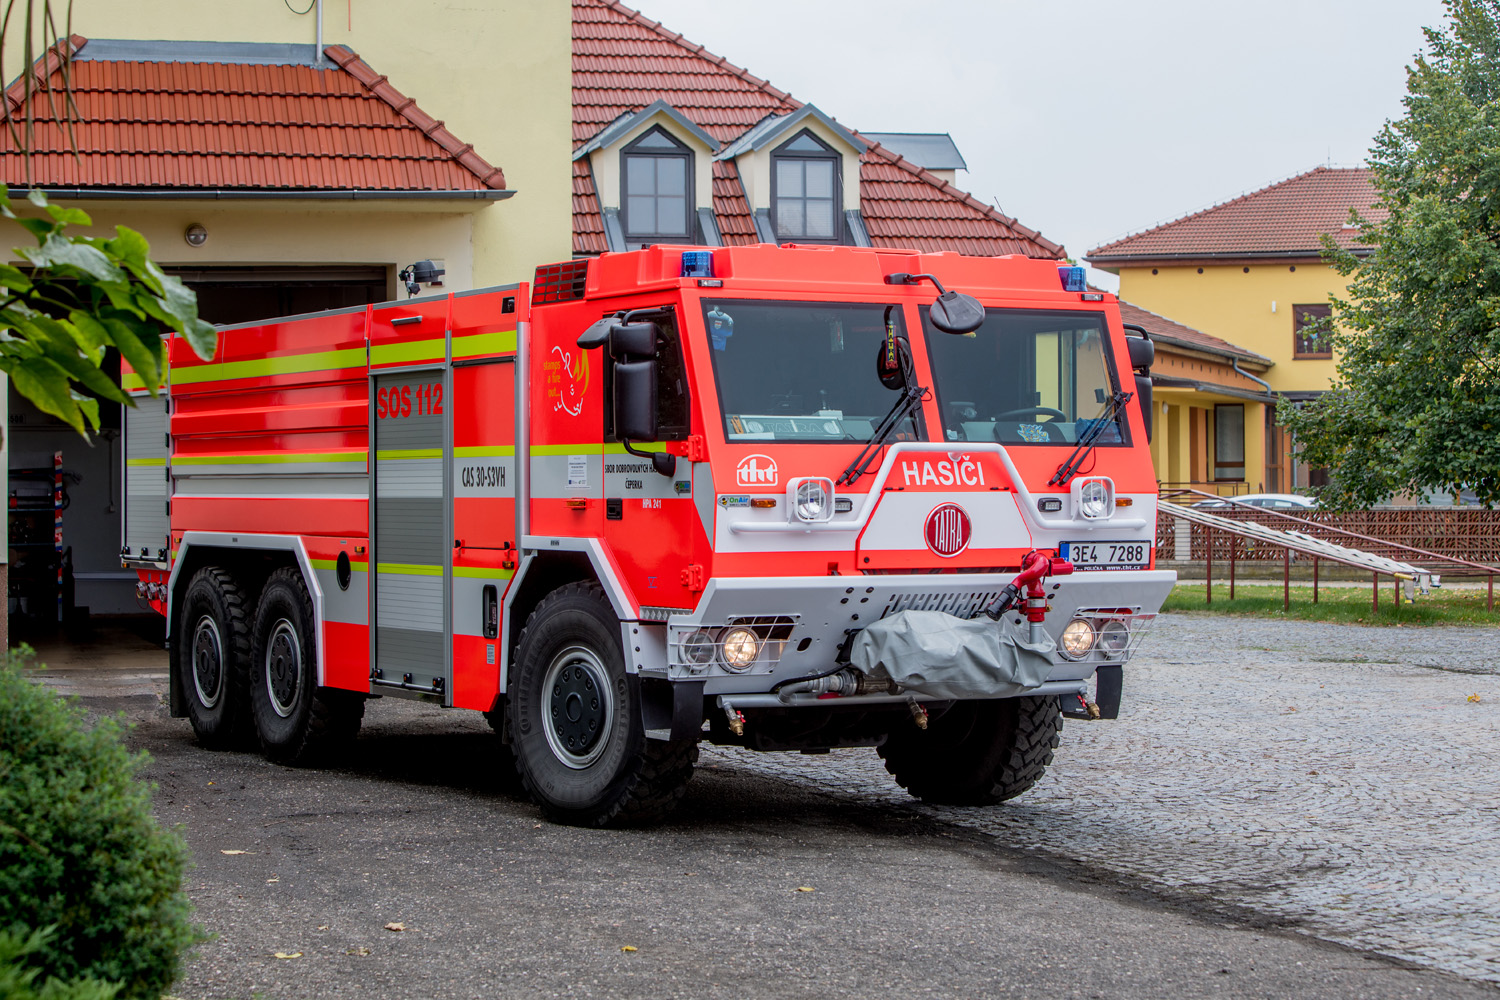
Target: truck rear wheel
978 752
214 662
575 725
296 720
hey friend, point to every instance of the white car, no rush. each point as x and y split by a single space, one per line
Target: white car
1286 502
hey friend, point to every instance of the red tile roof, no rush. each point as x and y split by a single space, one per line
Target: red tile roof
1286 219
1171 332
176 125
623 61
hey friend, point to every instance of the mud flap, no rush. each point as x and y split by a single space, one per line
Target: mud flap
1110 688
671 710
176 701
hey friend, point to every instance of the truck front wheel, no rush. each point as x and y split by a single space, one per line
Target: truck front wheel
978 753
576 729
295 719
214 662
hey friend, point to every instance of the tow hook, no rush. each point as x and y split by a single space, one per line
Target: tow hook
918 712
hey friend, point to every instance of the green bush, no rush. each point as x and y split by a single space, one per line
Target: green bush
80 852
19 980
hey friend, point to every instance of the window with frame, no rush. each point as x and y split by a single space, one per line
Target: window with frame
806 190
1229 441
1311 335
656 181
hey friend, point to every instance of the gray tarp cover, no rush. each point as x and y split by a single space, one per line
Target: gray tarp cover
936 654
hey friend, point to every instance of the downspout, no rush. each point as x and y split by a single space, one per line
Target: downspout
318 58
1233 363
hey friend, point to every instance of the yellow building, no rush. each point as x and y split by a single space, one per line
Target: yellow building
1249 272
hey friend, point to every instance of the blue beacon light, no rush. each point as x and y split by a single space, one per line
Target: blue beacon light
1073 279
697 264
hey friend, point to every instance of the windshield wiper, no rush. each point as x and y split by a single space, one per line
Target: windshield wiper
911 396
1091 437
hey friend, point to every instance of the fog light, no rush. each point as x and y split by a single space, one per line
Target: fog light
739 648
813 500
1093 499
1077 639
698 649
1114 640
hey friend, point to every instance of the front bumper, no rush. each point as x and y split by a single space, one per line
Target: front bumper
806 619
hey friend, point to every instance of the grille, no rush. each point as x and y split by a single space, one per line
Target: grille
560 282
961 604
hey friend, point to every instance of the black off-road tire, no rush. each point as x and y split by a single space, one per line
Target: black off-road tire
978 753
213 660
297 721
610 775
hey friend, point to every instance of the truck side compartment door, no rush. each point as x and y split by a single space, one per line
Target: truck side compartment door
483 489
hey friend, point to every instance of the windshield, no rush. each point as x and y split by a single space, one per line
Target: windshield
801 371
1024 377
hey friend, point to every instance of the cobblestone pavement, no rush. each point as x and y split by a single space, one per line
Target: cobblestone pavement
1340 779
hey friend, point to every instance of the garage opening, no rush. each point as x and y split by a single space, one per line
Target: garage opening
86 545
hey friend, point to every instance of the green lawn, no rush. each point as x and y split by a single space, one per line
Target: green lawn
1338 604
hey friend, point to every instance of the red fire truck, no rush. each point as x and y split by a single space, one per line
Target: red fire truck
783 498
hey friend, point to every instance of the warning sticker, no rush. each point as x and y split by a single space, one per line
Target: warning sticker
578 472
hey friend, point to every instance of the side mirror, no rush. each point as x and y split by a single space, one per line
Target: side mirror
1143 396
597 335
955 312
1142 352
636 411
632 340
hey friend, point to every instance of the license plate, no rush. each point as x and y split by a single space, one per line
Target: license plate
1107 555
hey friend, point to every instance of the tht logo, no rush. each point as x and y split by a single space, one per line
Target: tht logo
756 470
948 530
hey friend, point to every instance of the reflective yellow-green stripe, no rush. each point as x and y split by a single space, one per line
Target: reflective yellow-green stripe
483 573
412 350
596 448
485 451
333 564
408 569
499 342
145 461
130 380
396 454
272 458
292 364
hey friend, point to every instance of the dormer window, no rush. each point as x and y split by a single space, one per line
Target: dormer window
806 176
656 196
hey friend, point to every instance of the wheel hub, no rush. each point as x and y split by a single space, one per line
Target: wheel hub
208 662
580 707
283 668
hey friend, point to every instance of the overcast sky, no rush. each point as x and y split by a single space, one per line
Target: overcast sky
1096 118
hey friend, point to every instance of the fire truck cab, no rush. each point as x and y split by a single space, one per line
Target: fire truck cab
784 498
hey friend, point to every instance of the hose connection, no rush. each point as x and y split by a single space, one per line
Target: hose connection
847 681
1035 568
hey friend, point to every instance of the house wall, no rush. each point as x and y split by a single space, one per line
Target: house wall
243 233
1251 309
497 72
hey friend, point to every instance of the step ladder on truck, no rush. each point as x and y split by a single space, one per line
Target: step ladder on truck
783 498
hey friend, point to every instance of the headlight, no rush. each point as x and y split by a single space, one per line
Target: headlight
1093 499
1077 639
813 500
1114 640
698 649
738 648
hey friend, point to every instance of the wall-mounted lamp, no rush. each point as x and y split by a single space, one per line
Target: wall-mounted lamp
423 272
195 235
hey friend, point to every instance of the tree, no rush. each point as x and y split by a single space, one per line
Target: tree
1416 402
78 295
